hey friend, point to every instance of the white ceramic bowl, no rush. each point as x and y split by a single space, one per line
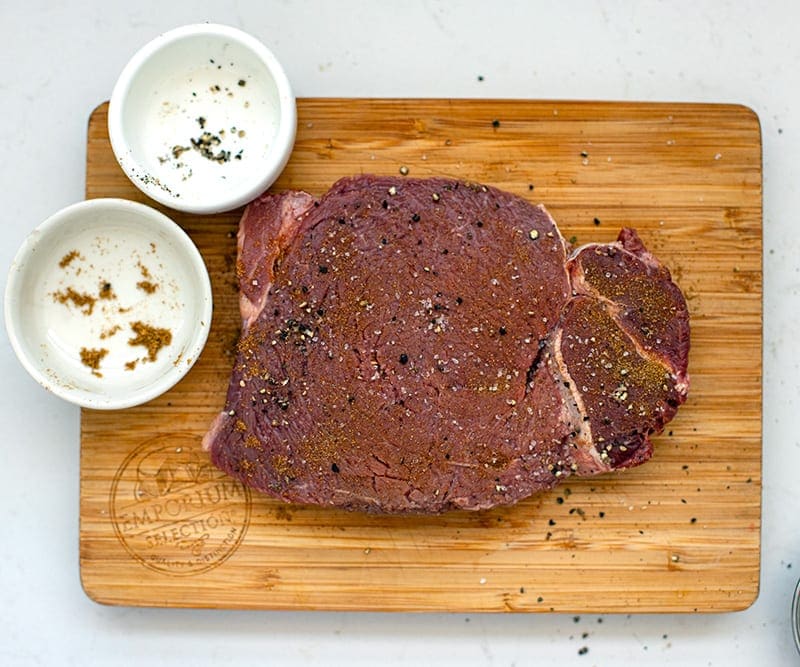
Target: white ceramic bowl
87 294
796 616
203 119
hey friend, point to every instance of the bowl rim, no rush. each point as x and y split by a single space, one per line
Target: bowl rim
282 145
184 244
796 616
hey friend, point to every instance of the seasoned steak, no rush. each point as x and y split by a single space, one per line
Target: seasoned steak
421 345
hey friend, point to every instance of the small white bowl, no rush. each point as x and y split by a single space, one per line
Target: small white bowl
203 119
82 281
796 616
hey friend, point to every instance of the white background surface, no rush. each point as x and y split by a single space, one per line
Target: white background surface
59 59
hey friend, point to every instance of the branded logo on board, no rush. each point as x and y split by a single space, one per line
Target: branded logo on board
173 511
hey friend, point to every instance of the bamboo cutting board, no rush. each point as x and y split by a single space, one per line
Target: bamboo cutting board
159 526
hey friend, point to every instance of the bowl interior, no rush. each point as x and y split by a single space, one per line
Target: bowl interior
92 292
199 117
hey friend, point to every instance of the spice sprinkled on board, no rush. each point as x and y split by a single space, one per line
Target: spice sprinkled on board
150 337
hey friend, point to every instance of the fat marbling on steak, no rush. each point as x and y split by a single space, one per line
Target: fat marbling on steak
421 345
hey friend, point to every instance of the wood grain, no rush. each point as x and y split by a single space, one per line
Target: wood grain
679 534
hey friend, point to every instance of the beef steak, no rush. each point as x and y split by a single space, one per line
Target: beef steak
421 345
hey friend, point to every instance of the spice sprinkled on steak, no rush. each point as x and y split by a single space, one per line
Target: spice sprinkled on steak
422 345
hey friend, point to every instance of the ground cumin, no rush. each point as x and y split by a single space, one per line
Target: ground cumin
147 286
91 358
144 271
150 337
107 333
67 259
81 300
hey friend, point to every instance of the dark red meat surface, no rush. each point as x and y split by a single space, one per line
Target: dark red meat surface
422 345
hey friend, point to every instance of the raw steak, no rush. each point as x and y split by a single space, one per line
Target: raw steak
421 345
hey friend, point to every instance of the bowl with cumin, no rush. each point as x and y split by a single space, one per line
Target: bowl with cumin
108 303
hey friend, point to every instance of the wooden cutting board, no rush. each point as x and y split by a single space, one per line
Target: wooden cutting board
159 526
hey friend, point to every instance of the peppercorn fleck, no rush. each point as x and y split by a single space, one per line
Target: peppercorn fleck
205 143
106 292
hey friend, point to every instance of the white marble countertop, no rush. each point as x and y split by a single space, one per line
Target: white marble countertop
60 59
